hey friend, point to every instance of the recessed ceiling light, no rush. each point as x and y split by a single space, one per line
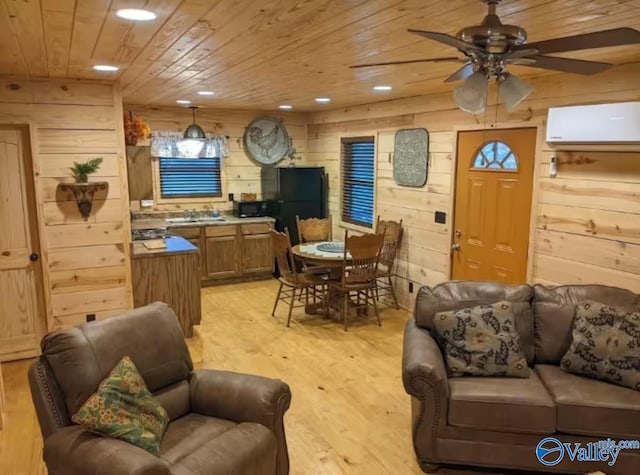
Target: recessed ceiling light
105 68
286 107
323 100
136 14
382 88
183 101
206 93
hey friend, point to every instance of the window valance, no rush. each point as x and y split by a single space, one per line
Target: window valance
174 145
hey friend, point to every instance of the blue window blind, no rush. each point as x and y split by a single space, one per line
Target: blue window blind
190 177
358 166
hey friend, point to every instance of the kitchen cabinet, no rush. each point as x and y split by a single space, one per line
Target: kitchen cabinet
232 251
222 250
257 248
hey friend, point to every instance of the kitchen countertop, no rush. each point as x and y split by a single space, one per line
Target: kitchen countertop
154 223
175 245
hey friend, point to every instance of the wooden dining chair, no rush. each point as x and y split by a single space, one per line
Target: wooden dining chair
314 229
293 285
392 231
356 288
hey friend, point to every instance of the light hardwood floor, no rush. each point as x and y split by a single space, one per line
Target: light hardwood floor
349 413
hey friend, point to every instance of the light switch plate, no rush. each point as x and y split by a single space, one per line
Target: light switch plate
146 203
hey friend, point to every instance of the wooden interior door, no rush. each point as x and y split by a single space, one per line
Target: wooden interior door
494 185
20 272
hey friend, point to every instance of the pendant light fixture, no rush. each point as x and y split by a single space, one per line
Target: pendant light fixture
194 131
194 138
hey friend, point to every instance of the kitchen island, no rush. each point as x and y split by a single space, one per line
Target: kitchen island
170 274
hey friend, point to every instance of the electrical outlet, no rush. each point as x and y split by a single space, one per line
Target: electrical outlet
441 217
146 203
410 287
91 317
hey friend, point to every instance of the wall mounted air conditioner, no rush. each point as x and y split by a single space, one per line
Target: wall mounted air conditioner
594 125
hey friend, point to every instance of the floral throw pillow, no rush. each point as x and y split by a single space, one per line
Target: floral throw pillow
123 408
605 345
481 341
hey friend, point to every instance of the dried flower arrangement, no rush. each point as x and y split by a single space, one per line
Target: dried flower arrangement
135 128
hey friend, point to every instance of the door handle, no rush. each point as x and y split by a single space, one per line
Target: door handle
455 247
33 257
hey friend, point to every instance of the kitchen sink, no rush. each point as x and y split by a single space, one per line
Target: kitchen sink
202 219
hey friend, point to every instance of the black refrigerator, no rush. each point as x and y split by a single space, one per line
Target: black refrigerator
295 191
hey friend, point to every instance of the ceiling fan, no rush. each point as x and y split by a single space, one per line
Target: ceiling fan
491 46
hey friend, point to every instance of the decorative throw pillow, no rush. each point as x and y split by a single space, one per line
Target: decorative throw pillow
606 344
481 341
123 408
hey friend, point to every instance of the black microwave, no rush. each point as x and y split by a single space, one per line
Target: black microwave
249 209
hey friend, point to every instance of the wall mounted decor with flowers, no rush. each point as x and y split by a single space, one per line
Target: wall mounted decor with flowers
135 129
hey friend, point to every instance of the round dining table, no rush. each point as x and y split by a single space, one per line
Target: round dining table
324 254
315 254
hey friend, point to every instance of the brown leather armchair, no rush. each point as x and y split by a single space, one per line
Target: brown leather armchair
220 422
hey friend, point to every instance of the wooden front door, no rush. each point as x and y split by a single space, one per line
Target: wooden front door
20 272
494 184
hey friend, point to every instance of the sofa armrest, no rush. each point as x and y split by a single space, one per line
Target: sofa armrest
244 398
424 376
76 451
423 367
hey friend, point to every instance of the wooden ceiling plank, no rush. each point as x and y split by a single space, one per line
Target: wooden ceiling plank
115 31
26 23
87 25
223 12
142 33
12 61
185 16
57 19
257 46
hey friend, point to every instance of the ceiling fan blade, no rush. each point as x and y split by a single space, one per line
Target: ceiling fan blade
598 39
448 40
463 73
520 53
576 66
391 63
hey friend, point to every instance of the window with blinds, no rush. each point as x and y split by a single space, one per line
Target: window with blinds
358 167
190 177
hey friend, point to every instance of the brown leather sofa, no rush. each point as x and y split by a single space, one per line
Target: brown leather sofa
498 422
221 422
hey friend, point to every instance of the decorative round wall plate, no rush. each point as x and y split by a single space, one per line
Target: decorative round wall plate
411 157
266 140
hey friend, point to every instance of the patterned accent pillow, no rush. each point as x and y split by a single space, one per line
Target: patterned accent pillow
123 408
606 344
481 341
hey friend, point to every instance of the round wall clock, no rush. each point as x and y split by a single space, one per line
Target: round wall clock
266 140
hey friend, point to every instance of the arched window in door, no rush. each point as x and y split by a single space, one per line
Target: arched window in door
495 155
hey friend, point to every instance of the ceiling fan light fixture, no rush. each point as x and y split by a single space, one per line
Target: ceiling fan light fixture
513 90
194 131
471 95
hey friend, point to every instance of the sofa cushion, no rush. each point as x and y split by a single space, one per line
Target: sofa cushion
501 404
590 407
605 345
458 295
481 341
554 309
197 444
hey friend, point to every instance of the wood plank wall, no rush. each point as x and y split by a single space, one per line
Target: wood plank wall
86 264
242 175
587 220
